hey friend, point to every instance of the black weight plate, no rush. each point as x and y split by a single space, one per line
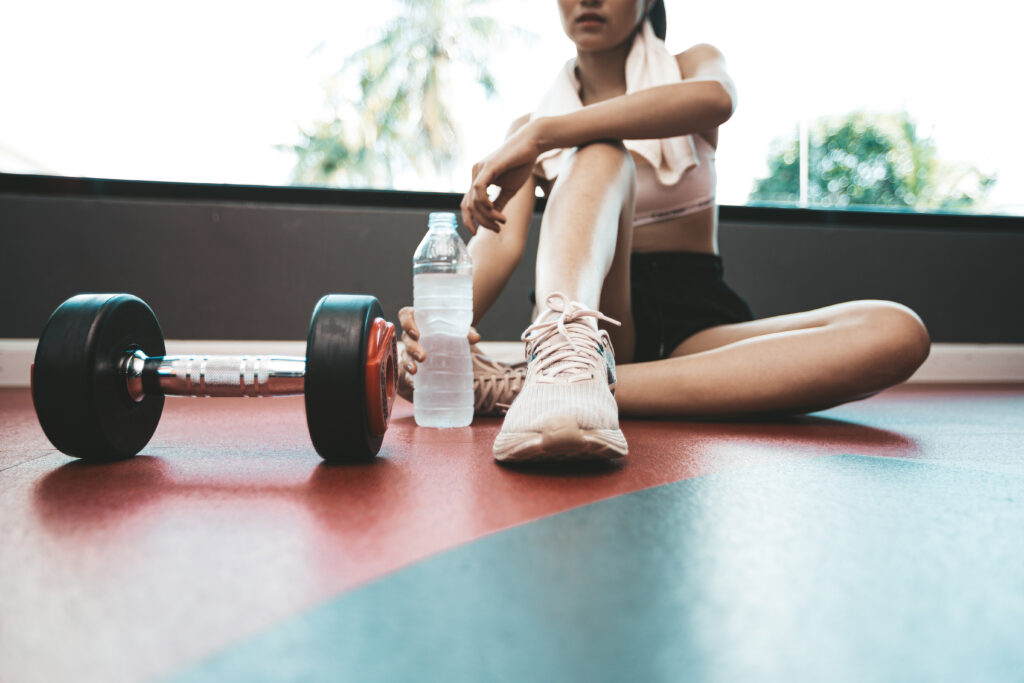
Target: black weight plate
335 388
77 388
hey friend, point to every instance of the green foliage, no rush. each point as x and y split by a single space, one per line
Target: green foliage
870 158
401 118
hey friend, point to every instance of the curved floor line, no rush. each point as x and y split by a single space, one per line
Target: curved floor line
814 570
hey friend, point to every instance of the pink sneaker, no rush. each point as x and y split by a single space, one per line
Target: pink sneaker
495 384
566 410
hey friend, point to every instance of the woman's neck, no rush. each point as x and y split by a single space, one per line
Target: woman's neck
602 75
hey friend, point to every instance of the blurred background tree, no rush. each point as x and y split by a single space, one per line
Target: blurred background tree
401 119
870 158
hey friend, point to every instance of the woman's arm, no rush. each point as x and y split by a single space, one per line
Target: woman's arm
705 100
495 257
665 111
497 254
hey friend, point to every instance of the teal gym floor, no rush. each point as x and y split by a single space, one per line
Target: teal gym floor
878 541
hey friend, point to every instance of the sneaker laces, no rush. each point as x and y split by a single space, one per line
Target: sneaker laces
565 348
495 385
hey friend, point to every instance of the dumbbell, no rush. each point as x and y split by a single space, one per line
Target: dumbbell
101 374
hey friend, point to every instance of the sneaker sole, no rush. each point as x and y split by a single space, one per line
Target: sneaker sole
560 440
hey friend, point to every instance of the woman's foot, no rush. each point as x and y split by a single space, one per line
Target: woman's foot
495 384
566 409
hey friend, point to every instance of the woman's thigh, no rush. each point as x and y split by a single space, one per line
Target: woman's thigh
851 313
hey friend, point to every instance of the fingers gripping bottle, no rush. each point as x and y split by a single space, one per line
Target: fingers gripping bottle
443 301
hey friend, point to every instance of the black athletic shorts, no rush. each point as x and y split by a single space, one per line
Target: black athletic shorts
676 295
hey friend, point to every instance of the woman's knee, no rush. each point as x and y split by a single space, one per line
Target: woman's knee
612 150
609 158
898 339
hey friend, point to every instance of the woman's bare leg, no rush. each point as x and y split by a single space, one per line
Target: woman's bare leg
585 236
565 408
786 364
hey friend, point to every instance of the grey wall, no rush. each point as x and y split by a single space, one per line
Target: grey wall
967 285
254 271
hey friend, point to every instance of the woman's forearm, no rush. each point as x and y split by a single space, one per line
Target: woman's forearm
497 254
664 111
493 265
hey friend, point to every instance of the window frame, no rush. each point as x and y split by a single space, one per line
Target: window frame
109 188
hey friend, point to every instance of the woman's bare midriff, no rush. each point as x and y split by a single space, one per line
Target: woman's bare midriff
694 232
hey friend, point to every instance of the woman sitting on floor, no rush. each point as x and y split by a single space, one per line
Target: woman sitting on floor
623 147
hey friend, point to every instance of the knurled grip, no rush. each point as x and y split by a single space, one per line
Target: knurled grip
231 375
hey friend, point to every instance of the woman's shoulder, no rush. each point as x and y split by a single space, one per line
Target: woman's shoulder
695 60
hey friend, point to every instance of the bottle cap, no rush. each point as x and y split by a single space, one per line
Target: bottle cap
441 220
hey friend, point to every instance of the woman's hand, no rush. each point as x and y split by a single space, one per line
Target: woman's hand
412 350
508 167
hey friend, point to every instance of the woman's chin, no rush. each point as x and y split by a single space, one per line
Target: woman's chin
595 40
593 43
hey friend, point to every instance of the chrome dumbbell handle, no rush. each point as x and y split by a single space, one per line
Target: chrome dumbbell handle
194 375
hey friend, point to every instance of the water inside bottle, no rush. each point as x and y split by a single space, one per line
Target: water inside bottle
443 394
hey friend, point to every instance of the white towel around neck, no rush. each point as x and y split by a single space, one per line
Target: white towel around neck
648 64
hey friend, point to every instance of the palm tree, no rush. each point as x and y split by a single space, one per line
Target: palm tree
403 118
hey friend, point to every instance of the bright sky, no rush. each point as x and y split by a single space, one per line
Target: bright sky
203 91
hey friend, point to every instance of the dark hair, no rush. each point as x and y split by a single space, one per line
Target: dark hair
656 14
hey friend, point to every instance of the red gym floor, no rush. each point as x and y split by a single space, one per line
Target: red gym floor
228 528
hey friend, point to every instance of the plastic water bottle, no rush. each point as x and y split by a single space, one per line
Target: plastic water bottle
443 300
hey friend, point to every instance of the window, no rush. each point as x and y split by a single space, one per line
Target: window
841 105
